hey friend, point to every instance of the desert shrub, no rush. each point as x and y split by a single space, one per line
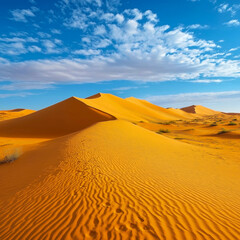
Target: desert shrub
232 123
213 124
163 131
11 156
223 131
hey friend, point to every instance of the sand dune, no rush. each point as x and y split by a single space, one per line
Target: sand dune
198 109
115 180
85 174
129 109
60 119
169 114
14 113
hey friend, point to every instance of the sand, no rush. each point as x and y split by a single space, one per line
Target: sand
15 113
130 109
113 179
200 110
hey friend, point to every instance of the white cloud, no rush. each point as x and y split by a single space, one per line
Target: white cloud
55 31
100 30
138 48
34 49
131 27
197 26
51 46
233 23
88 52
14 48
43 35
124 88
21 94
20 15
207 81
225 7
25 86
119 18
234 49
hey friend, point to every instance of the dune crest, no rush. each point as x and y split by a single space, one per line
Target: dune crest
130 109
14 113
201 110
57 120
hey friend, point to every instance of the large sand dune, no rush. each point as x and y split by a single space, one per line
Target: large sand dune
130 109
57 120
103 178
115 180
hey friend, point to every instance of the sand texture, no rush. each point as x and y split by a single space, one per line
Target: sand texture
101 176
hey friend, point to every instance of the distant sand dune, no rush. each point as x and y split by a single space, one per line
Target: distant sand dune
198 109
115 180
14 113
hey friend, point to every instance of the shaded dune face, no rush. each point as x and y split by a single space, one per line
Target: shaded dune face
133 185
57 120
198 109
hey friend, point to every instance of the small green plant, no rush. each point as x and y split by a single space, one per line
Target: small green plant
232 124
213 124
11 156
223 131
163 131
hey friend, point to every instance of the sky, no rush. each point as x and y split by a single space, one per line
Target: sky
173 53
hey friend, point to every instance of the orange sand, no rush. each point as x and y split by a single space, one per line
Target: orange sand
198 109
111 179
15 113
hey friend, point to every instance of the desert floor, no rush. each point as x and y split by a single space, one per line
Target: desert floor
111 168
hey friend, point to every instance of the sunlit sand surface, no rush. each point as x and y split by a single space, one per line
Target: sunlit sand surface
112 168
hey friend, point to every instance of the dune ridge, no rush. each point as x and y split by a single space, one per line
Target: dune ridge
200 110
14 113
57 120
130 109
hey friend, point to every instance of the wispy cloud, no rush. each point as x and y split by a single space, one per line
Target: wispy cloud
21 15
197 26
233 23
125 88
8 95
207 81
225 7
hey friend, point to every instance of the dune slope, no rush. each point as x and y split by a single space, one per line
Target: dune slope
57 120
115 180
127 109
201 110
15 113
169 114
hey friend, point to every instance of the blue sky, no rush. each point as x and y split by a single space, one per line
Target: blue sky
173 53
